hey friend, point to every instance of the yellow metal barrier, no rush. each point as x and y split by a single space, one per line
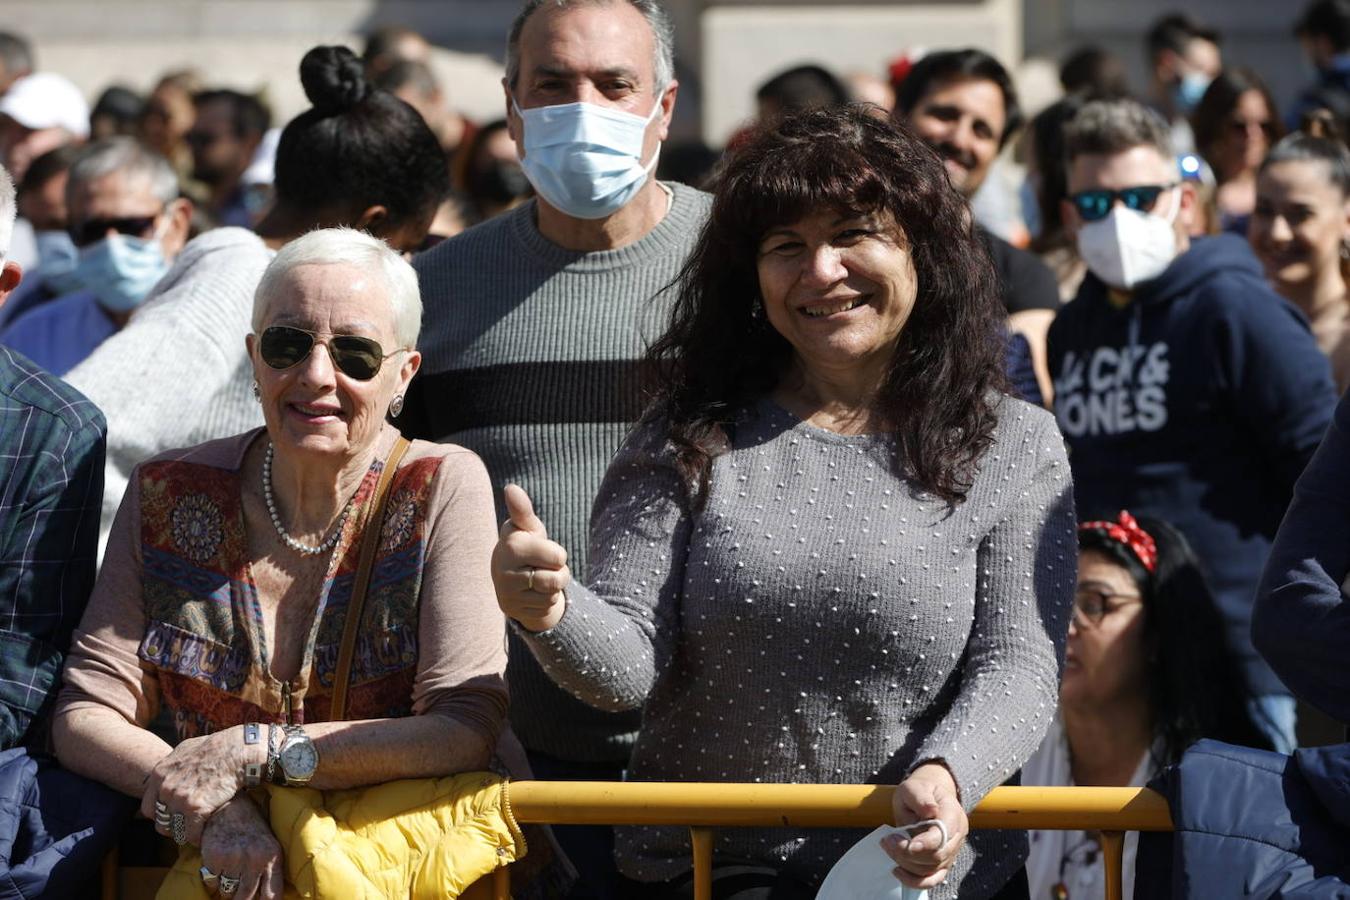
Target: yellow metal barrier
1112 811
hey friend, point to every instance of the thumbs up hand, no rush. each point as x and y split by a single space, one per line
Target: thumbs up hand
528 570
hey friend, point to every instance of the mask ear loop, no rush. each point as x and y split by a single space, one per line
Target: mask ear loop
1176 204
914 828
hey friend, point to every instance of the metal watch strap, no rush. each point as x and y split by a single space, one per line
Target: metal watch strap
252 771
275 737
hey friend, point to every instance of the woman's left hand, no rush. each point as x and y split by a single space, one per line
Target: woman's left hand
200 776
928 793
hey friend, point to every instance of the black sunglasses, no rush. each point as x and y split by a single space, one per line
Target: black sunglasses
94 230
282 346
1095 205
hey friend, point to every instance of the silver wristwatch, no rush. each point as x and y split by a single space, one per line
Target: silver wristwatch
297 757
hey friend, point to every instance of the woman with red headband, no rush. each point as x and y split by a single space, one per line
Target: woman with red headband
1146 674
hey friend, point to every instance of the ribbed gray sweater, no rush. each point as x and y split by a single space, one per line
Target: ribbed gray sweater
818 621
530 359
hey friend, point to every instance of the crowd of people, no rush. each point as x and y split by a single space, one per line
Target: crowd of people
385 446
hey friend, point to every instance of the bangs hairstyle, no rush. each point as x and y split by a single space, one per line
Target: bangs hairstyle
947 366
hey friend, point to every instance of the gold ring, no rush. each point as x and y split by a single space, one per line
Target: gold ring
529 574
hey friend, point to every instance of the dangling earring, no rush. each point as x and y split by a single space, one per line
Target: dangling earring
257 392
396 407
757 309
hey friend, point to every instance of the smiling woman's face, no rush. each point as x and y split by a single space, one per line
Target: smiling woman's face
838 288
1299 222
313 407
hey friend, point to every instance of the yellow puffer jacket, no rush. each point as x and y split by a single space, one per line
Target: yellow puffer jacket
422 838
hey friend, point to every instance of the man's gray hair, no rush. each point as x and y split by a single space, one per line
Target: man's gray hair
1108 127
334 246
663 34
8 209
126 155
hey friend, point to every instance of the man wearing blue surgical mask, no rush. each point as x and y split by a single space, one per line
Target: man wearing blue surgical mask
126 224
1183 58
1185 387
536 320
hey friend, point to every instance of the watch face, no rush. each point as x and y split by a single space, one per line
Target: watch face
299 759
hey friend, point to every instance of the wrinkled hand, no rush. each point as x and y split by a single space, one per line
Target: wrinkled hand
200 776
535 601
239 843
928 793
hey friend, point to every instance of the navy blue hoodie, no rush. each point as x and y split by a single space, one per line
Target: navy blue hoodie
1199 402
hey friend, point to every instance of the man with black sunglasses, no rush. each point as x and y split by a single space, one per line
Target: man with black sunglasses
1186 388
128 224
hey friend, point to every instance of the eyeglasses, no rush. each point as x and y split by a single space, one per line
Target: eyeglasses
1095 205
93 230
1091 605
282 346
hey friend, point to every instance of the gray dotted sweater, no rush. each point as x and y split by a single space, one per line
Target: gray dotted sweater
819 621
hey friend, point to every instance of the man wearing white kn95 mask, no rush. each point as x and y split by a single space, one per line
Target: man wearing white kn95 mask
536 320
1186 388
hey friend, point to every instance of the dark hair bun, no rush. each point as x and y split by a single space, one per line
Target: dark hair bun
1321 123
334 79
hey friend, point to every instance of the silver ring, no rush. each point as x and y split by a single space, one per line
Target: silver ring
228 884
179 824
208 877
160 808
529 574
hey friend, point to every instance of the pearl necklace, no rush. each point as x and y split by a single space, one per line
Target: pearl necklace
309 550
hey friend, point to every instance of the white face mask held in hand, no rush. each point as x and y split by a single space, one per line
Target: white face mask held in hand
865 871
585 160
1129 246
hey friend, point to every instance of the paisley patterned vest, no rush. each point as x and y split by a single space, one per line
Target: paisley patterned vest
204 623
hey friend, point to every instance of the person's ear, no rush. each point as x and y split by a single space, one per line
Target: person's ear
10 276
175 237
1189 207
373 220
412 361
667 102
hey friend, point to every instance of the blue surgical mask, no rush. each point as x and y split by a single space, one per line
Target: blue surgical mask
120 270
57 257
585 160
1189 90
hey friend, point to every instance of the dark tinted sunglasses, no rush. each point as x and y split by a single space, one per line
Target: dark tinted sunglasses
94 230
1095 205
356 357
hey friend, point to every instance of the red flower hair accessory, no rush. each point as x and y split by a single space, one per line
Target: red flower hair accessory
1125 530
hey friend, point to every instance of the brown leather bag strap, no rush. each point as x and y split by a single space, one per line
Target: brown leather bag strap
370 542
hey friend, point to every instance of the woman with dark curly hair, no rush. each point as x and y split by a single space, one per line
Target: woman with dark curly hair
1148 674
834 550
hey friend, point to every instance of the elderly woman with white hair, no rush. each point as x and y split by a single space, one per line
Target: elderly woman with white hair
232 567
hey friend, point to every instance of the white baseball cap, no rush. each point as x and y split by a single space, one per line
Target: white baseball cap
47 100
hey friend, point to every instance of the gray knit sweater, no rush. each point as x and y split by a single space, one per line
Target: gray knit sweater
530 359
818 621
177 375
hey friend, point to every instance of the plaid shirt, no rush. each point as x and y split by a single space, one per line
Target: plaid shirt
51 486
